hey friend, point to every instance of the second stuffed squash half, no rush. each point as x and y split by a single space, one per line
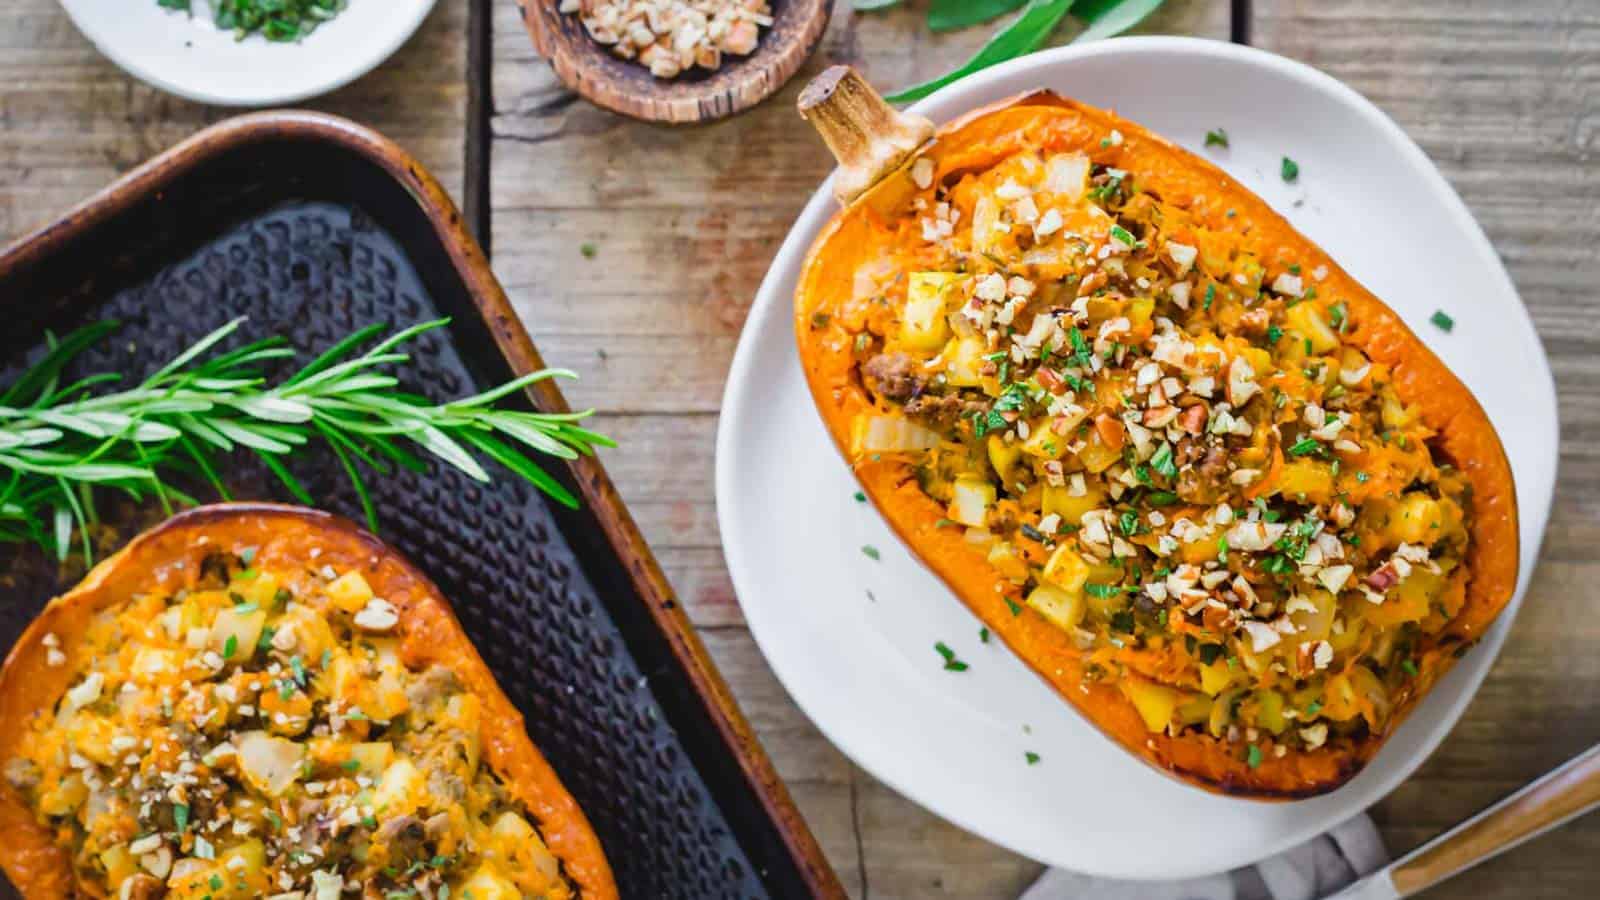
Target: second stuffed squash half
254 700
1202 481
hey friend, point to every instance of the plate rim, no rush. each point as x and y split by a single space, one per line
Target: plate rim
116 52
771 301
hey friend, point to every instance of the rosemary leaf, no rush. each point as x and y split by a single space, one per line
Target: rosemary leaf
59 445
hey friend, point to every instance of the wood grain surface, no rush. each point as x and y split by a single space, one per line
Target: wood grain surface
1505 97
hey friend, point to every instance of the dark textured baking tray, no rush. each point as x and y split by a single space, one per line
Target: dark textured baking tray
313 226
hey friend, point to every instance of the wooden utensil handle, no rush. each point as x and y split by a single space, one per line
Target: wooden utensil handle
868 136
1562 795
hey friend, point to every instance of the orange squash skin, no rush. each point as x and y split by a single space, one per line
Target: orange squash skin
1049 123
166 558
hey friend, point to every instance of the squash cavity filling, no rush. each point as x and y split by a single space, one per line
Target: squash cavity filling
1174 451
235 740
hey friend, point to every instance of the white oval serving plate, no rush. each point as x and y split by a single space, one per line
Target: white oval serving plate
184 54
852 639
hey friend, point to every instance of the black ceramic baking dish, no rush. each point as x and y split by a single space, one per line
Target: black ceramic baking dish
312 227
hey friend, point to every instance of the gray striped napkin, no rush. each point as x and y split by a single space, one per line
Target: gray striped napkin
1317 868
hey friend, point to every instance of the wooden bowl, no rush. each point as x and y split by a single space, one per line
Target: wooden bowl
626 87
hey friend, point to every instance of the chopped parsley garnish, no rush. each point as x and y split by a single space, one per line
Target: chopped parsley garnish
229 646
983 635
1216 137
1016 609
1031 757
1122 235
1104 590
860 497
1081 354
1211 294
1409 666
951 664
1274 333
1304 447
588 250
1290 170
1442 320
870 551
1162 462
180 817
1253 756
1210 653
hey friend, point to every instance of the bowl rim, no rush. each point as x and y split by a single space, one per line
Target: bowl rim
773 300
751 79
413 12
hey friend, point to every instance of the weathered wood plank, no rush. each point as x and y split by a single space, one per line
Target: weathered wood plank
1506 99
70 121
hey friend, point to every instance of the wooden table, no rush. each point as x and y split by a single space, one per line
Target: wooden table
1504 96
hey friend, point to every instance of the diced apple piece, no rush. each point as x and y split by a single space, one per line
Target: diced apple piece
1269 711
890 434
1096 456
1215 676
1313 624
1155 702
1059 500
1416 519
964 362
1062 607
522 844
236 874
1007 561
1306 319
922 323
373 758
1067 175
262 590
1305 479
401 789
1194 710
269 763
1003 454
971 499
1067 569
349 592
234 634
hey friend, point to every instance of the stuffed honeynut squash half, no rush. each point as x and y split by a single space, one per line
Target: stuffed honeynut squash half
253 700
1199 479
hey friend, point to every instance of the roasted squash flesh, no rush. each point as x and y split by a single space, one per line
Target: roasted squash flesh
254 701
1192 472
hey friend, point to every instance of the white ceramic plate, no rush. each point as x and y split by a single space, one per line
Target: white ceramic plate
188 56
852 639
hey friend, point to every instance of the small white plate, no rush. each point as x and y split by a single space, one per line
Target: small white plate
852 638
185 54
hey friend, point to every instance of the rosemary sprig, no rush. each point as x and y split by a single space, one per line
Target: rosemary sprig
59 442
